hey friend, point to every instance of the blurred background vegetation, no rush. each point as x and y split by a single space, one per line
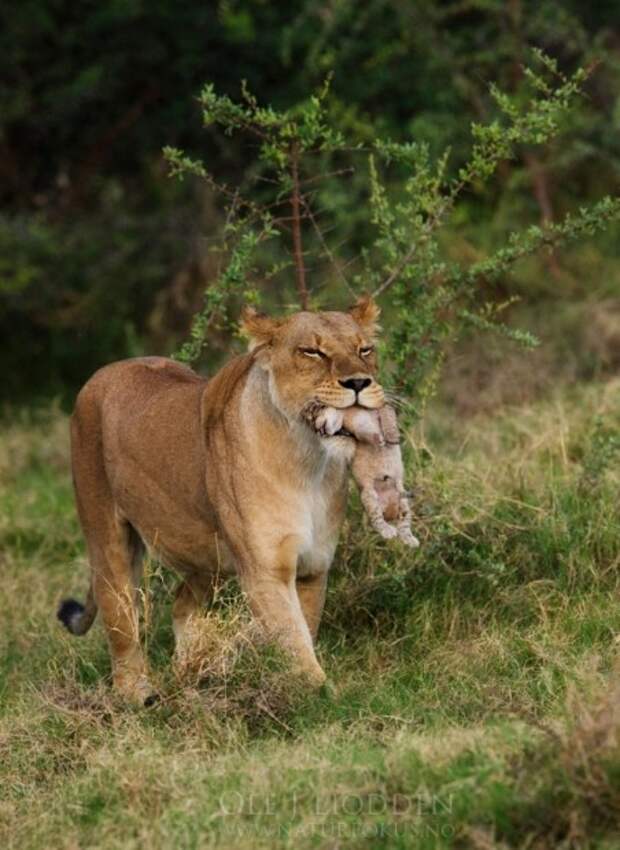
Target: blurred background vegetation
103 256
484 669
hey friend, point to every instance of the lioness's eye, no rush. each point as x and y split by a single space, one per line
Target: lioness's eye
367 351
312 352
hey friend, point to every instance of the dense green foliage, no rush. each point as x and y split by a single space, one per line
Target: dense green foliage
403 262
103 255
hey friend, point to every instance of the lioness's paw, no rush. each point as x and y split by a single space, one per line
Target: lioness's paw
136 690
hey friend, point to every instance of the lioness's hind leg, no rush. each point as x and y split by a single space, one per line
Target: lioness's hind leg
113 564
194 593
311 592
113 551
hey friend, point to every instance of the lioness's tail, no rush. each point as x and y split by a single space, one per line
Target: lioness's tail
76 617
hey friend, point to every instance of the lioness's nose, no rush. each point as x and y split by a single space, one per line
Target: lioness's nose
356 384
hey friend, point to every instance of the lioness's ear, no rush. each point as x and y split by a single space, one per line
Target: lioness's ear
366 312
258 327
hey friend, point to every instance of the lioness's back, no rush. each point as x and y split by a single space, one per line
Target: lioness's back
126 388
138 374
143 412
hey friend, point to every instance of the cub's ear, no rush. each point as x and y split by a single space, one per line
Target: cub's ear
366 313
257 327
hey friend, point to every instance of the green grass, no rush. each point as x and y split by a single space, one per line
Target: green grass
473 700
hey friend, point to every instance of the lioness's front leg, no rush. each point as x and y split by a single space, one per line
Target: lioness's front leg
270 586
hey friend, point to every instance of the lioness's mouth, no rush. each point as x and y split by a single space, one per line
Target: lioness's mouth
341 433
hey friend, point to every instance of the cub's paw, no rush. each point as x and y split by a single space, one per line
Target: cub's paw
409 539
388 532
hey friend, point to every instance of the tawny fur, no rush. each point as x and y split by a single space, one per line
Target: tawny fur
377 465
220 477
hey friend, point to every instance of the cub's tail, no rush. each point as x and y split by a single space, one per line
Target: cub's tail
78 618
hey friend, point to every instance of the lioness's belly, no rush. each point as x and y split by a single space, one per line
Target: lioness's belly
211 555
182 539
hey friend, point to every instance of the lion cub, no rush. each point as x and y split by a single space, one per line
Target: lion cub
377 465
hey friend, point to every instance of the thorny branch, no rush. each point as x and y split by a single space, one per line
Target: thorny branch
327 250
297 246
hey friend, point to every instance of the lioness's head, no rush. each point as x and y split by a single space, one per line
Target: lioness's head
319 357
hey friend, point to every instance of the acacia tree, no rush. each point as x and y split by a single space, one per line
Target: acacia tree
278 226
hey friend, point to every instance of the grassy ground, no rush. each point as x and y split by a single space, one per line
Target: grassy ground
474 694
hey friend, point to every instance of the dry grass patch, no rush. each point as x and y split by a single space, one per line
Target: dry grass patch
452 669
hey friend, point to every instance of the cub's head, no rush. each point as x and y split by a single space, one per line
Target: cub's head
318 357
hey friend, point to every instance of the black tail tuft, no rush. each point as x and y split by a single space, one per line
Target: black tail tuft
70 614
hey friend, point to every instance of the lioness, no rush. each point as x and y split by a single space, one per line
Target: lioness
220 476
